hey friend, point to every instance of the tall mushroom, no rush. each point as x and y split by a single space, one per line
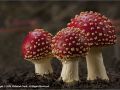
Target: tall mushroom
37 49
68 45
101 32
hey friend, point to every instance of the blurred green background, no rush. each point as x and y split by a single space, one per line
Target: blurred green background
20 17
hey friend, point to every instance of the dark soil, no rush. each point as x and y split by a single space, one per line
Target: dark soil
29 78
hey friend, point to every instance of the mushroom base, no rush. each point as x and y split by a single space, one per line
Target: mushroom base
69 72
95 65
42 68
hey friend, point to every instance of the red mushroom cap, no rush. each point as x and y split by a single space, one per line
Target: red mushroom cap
70 43
98 28
36 45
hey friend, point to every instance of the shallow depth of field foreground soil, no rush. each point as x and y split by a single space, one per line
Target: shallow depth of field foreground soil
28 78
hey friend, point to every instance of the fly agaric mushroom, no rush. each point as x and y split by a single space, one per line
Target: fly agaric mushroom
68 45
37 49
100 32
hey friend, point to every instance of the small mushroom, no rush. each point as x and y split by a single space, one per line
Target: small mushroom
37 49
68 45
101 33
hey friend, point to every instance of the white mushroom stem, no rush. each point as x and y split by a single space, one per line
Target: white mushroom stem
70 71
44 67
95 65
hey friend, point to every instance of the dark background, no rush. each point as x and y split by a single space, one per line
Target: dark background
18 18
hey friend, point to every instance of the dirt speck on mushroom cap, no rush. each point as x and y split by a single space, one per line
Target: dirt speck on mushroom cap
36 45
70 43
99 28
